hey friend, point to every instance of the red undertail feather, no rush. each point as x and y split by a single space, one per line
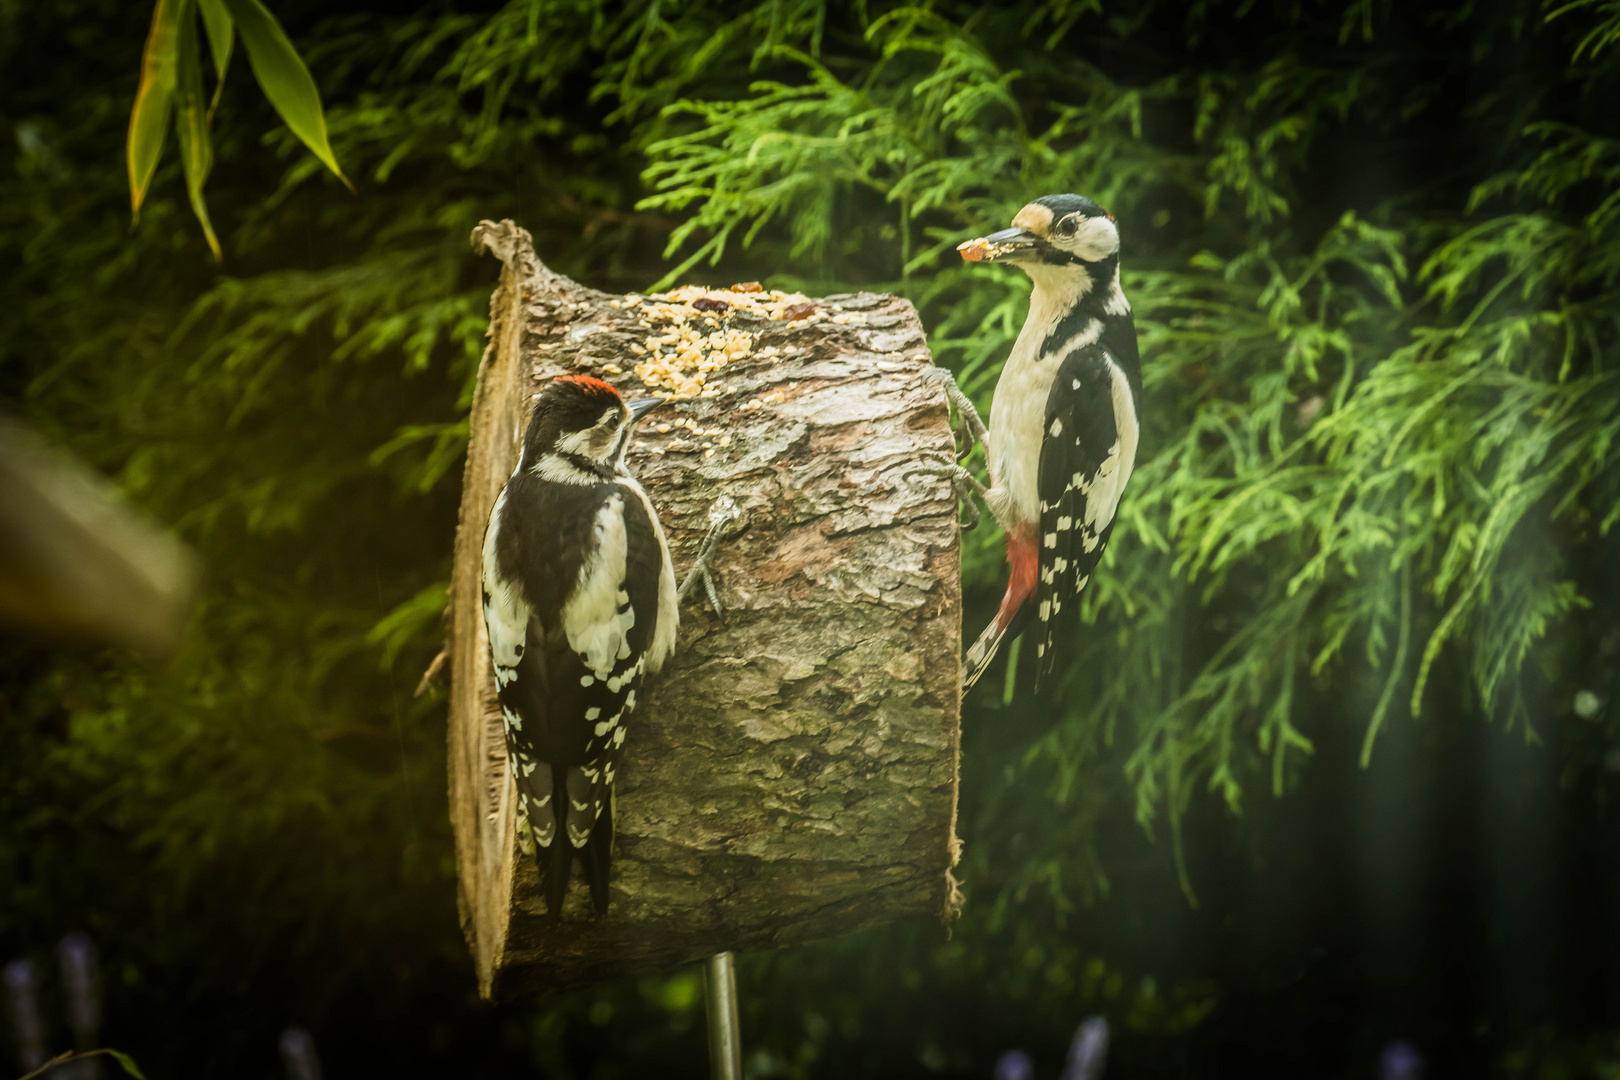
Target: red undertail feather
1024 557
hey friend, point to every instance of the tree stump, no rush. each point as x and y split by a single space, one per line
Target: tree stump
793 773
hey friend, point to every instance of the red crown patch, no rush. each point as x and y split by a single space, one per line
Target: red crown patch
588 383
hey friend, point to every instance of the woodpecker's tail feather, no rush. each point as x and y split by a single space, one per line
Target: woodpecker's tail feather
597 858
981 653
556 862
984 650
556 858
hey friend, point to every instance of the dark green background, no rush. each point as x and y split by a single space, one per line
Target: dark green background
1373 250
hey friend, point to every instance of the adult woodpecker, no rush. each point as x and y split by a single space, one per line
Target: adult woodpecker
581 608
1063 422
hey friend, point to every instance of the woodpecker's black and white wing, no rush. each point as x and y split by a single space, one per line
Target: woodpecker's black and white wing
575 576
1087 453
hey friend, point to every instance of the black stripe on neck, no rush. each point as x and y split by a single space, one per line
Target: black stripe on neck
590 465
584 464
1089 305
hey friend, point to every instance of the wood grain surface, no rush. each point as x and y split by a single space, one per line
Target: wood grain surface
793 775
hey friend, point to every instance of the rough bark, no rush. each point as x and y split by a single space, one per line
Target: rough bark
793 775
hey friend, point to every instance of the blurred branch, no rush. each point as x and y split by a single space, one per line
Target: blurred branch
76 562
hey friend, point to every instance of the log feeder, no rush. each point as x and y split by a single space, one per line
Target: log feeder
793 774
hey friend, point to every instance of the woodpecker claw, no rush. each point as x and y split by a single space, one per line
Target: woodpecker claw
970 515
723 516
972 428
964 483
714 596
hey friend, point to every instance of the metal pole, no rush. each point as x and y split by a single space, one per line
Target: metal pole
720 1000
77 955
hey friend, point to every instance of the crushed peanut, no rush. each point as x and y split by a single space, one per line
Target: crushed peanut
681 359
980 249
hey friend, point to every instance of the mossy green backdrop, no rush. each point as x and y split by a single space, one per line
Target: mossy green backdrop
1320 775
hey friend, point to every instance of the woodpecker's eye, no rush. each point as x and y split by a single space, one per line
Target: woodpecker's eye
1066 227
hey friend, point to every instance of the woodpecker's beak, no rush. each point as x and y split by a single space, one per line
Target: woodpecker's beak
642 406
999 246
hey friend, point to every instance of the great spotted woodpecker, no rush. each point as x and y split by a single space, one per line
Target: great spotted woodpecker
1063 422
581 609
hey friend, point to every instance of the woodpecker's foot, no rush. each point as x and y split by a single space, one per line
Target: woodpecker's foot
966 484
725 518
972 427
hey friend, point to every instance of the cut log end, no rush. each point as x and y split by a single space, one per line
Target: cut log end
793 774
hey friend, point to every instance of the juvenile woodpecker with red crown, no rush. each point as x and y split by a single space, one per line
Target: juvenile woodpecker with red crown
581 609
1063 422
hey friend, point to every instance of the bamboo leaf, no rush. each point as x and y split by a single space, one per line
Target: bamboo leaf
221 35
126 1063
149 120
196 150
284 78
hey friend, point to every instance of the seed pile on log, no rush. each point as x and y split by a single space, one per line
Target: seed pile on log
793 774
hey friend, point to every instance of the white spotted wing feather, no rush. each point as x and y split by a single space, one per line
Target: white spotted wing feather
1086 461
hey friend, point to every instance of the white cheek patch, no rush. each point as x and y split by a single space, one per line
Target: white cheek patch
577 442
1095 240
597 442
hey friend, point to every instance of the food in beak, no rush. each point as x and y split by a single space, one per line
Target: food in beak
976 250
983 250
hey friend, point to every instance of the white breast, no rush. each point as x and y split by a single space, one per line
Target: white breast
1018 411
591 618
